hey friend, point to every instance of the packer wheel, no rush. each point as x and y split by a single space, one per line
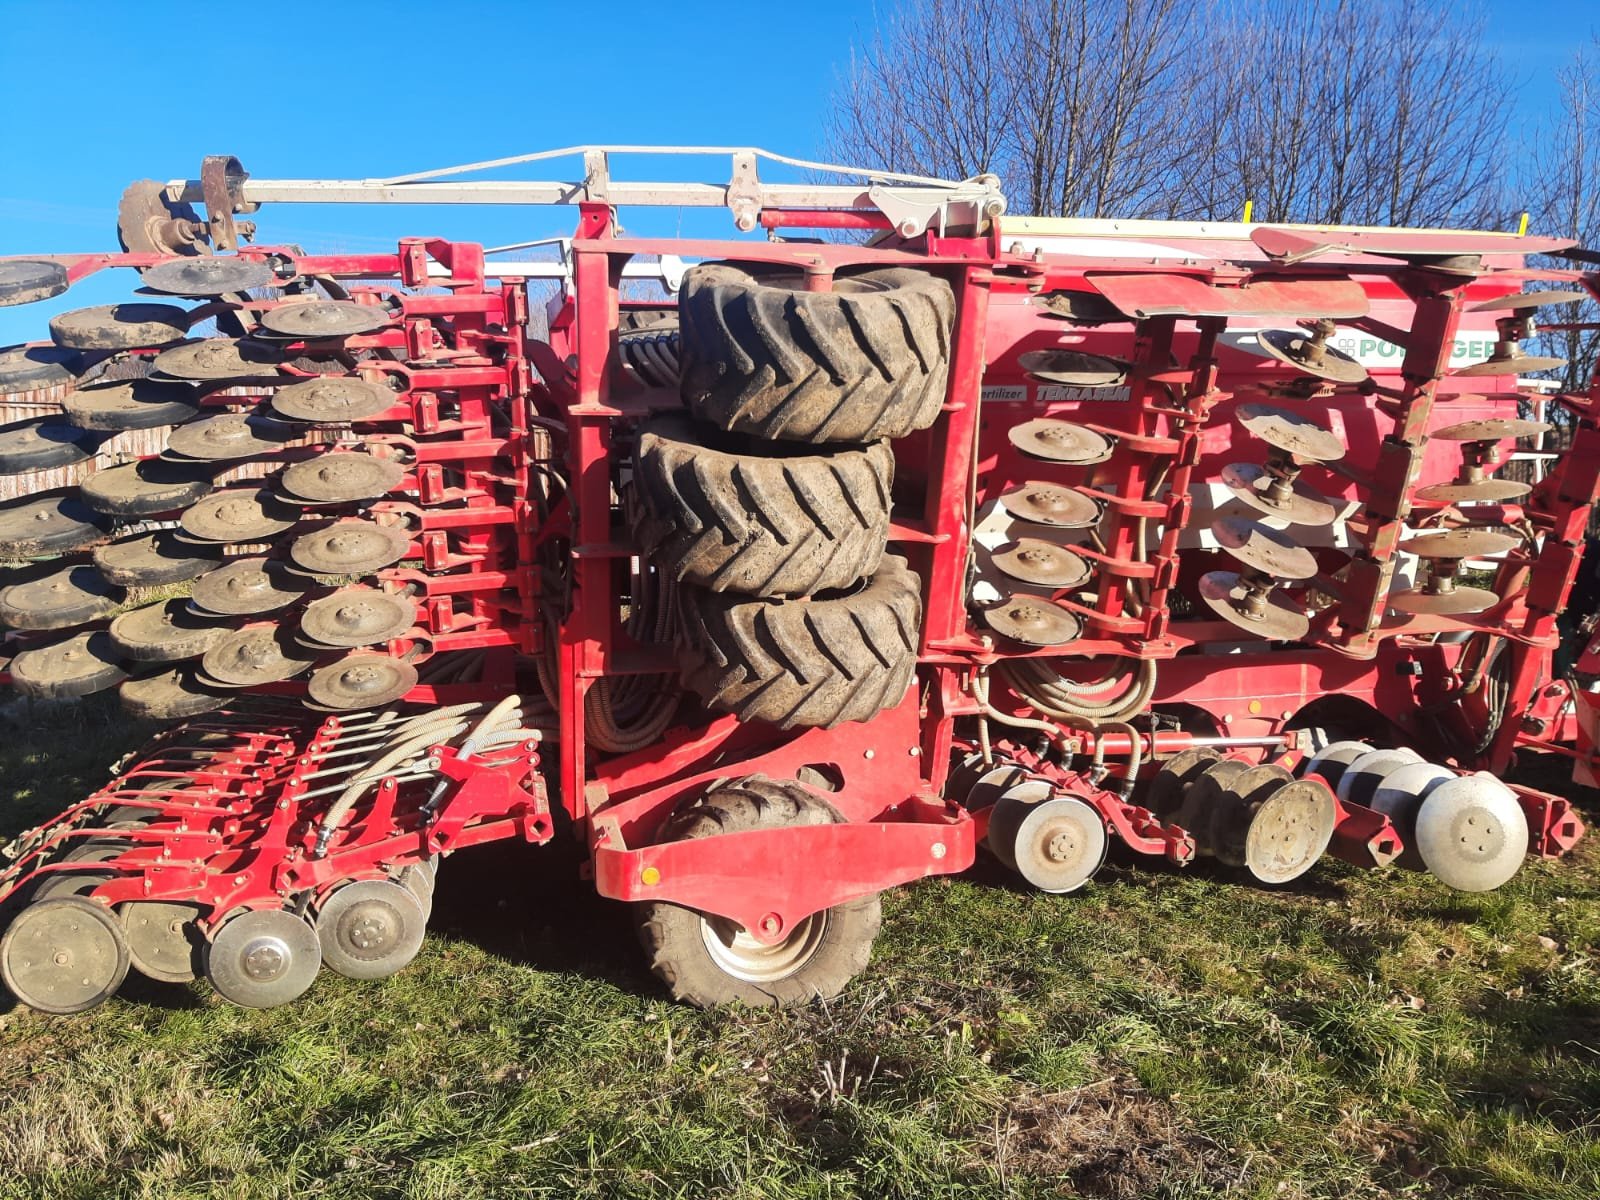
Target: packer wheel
64 955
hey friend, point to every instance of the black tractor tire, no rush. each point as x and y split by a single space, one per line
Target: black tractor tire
777 523
763 356
820 956
842 656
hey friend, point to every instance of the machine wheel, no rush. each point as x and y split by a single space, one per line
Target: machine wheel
371 929
764 356
263 958
64 955
707 960
839 657
770 524
163 942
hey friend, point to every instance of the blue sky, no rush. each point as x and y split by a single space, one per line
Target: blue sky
115 91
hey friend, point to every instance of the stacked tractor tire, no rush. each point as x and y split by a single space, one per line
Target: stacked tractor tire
768 506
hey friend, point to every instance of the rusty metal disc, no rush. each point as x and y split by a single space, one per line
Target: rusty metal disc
166 632
361 680
145 488
342 477
1303 506
1269 551
1491 430
1277 621
256 654
357 616
1300 436
1459 543
1290 831
238 515
60 600
314 319
1073 368
170 695
35 368
229 436
119 327
1237 803
1518 301
218 359
1173 778
76 666
209 275
42 443
350 548
131 404
24 280
1060 441
150 560
1293 347
1201 798
1047 504
1033 560
246 587
1510 364
1032 621
1482 491
1458 601
333 400
49 524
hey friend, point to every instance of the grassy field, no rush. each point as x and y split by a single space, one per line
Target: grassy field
1163 1034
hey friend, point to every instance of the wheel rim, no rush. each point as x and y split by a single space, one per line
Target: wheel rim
741 956
63 956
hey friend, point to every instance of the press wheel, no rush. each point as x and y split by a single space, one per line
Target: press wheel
170 696
162 633
119 327
42 443
78 666
115 407
63 955
145 488
61 600
150 560
163 942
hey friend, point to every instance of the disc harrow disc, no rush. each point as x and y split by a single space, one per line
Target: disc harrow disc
333 400
342 478
229 436
317 319
1173 778
1008 812
163 942
218 359
263 958
370 929
238 515
357 616
1060 844
1033 560
1482 491
1459 543
1363 776
77 666
49 524
1458 601
1491 429
1510 364
208 275
1060 441
24 280
1267 550
1303 506
247 586
145 488
1333 759
1471 832
1294 348
254 655
1033 622
350 548
1279 620
34 368
1236 805
1399 797
1073 368
163 633
42 443
1300 436
66 598
131 404
119 327
170 696
1518 301
361 680
1047 504
1200 800
1290 831
150 560
63 955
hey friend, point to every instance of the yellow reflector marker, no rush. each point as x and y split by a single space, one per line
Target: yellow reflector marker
650 876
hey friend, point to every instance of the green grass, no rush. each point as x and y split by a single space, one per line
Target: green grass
1163 1034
